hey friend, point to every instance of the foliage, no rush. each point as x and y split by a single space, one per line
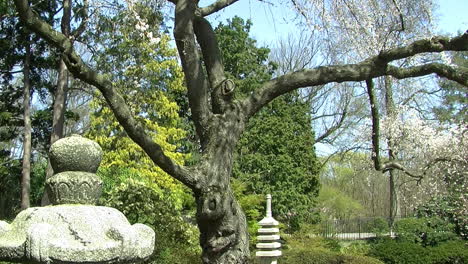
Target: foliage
10 169
246 63
380 226
394 252
452 252
356 248
252 205
448 208
435 156
455 96
10 187
275 154
147 73
143 201
351 178
144 68
424 231
316 250
334 204
360 28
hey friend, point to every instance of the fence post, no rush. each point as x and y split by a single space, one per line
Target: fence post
268 246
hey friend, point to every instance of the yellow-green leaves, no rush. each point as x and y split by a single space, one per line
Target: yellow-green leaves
143 66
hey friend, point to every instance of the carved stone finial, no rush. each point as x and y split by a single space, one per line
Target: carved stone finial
75 153
75 160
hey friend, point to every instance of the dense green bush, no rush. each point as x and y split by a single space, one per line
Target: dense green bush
451 208
379 226
356 248
146 203
452 252
323 256
424 231
302 248
393 252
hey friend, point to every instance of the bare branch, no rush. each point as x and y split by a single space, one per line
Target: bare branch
84 21
459 75
216 6
334 127
371 68
120 109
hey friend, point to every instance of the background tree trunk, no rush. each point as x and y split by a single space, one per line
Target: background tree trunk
26 172
58 117
60 96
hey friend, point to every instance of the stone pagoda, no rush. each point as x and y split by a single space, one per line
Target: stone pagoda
73 229
268 237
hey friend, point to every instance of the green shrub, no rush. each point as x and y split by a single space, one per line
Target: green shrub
452 252
451 208
394 252
146 203
425 231
379 226
323 256
356 248
302 248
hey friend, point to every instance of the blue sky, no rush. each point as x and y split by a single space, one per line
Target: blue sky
270 21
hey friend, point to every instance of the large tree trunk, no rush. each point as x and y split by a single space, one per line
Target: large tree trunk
223 227
26 172
391 112
58 117
224 236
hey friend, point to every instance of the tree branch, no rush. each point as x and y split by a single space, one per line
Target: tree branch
120 109
334 127
195 78
370 68
221 88
216 6
84 20
375 124
459 75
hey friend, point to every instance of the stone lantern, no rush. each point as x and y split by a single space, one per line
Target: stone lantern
268 238
73 229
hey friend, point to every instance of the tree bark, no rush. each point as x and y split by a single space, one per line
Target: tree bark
391 112
223 227
60 96
58 117
26 171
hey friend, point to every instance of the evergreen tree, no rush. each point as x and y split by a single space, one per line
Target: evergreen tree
276 153
455 96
